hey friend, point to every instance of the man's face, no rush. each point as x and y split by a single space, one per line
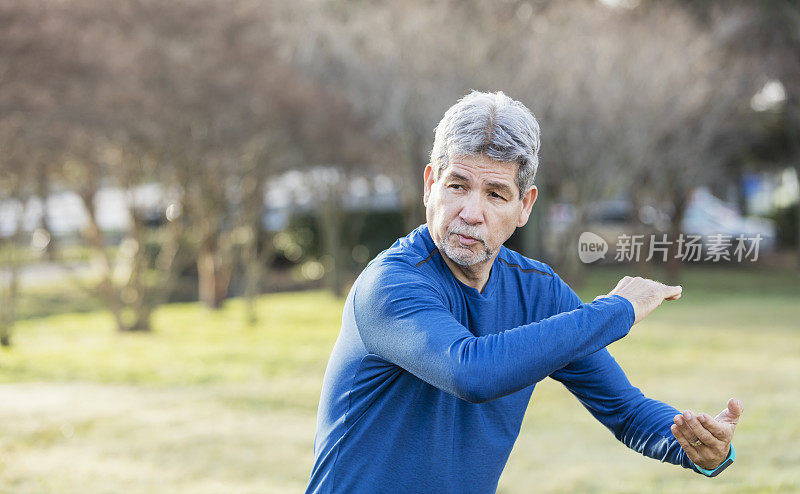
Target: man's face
473 207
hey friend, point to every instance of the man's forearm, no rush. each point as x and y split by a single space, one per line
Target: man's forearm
525 355
641 423
646 429
408 325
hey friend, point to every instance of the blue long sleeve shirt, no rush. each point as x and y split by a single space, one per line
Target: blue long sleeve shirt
429 379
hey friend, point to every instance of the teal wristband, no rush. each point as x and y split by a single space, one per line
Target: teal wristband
722 466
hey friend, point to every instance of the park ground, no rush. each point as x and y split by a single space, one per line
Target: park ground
208 404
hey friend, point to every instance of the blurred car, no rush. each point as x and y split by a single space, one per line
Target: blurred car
706 216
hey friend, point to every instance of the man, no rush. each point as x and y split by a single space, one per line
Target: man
445 334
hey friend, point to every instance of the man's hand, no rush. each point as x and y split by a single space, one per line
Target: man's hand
645 295
715 435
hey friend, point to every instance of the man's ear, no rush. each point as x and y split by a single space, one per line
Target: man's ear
528 198
428 175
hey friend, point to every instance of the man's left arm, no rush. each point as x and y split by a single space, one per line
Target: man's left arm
648 426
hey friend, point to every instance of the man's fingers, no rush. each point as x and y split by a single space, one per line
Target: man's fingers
621 283
700 445
693 427
645 294
691 451
731 413
672 292
735 408
717 429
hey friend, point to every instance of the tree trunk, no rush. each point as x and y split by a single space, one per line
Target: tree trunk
43 191
251 277
533 233
414 159
130 301
94 237
643 268
213 279
141 303
10 294
331 229
142 321
254 262
257 246
413 208
674 266
571 269
797 239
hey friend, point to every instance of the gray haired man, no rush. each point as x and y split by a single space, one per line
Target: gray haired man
445 334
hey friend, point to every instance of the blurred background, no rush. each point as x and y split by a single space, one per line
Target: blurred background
189 187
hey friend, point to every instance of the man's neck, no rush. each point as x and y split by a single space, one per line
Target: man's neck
475 276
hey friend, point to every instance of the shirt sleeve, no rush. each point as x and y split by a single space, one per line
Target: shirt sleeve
402 318
597 380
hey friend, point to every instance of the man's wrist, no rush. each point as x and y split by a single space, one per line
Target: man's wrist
629 310
722 466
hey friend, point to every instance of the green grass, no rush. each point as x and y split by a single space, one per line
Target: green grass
23 253
190 345
732 333
48 300
207 403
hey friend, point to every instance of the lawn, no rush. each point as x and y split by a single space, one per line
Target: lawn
209 404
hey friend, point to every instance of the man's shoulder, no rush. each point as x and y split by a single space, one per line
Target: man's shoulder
536 277
513 260
415 250
405 270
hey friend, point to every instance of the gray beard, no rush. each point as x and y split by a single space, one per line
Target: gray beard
462 255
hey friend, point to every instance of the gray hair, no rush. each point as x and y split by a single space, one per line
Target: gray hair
490 124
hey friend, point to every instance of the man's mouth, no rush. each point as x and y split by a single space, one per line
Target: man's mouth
465 239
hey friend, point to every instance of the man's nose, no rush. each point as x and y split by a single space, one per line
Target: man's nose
472 209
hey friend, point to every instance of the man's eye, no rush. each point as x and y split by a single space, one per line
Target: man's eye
456 186
497 196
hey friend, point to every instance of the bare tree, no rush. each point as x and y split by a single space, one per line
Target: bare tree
764 35
68 88
238 113
400 81
12 200
630 101
621 95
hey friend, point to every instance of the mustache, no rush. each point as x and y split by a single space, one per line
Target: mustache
467 231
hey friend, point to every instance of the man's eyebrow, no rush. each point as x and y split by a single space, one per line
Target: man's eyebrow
457 176
492 185
499 186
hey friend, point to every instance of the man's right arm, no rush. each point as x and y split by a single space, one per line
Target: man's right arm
403 319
